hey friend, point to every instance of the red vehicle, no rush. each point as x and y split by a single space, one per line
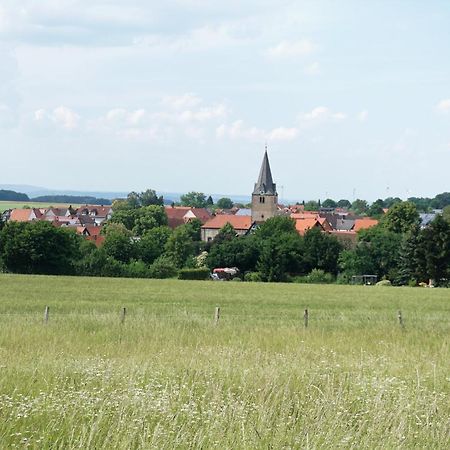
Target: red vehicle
225 273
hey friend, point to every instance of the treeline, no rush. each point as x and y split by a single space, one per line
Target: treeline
376 208
72 199
138 243
13 196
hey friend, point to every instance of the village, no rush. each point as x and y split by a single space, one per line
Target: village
343 224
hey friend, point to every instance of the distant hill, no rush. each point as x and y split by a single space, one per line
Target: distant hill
169 197
73 199
13 196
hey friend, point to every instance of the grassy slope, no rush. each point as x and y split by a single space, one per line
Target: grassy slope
169 378
4 205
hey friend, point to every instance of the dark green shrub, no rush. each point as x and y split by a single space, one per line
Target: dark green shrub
316 276
163 267
252 276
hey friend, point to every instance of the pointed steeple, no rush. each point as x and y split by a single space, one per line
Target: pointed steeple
265 184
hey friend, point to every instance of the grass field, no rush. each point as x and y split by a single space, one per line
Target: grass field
169 378
11 205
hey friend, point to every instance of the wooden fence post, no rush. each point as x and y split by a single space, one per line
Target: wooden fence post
400 319
46 314
122 317
217 315
305 317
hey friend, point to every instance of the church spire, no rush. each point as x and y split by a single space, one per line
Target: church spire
265 184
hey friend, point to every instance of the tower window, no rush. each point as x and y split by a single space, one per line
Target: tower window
262 199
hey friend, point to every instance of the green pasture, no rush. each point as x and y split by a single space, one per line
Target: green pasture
168 377
4 205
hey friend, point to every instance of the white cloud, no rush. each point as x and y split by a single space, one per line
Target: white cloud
239 131
321 114
174 118
291 49
188 100
198 39
282 134
62 116
65 117
363 115
443 106
313 69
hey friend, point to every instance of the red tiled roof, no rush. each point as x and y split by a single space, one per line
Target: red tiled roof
93 230
175 215
237 222
23 215
305 215
366 222
97 240
303 225
102 211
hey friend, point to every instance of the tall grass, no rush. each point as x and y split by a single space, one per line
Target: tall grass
169 378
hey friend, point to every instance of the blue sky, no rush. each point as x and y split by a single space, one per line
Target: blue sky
352 98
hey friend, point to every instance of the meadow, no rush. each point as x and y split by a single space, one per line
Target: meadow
5 205
168 377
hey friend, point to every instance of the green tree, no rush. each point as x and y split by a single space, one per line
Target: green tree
180 246
149 217
163 267
272 261
435 240
441 200
312 205
412 261
226 233
391 201
376 209
446 213
209 202
360 207
149 197
194 228
329 203
39 247
240 252
280 249
118 243
321 251
343 203
224 203
401 217
151 245
376 253
133 200
276 226
194 199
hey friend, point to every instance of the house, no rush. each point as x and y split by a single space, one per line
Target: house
363 223
25 215
179 215
241 224
98 213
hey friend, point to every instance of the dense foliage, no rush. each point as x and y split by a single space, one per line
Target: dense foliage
13 196
73 199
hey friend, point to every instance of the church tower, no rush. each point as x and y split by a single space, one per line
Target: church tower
264 196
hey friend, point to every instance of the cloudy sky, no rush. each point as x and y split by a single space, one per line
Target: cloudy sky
352 97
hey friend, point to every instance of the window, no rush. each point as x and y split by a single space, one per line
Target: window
262 199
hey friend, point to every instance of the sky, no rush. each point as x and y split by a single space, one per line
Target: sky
352 98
